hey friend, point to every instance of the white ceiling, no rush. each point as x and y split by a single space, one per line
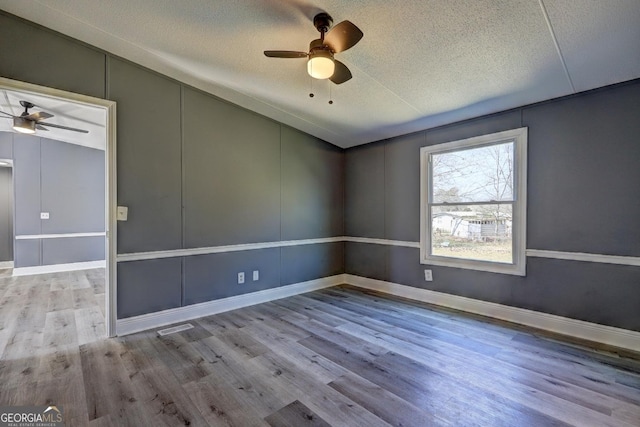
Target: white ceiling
420 64
65 113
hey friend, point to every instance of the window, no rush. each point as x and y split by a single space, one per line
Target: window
473 203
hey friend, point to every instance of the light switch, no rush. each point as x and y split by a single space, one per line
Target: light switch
44 215
122 213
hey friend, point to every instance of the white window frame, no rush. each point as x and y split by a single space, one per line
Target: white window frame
519 235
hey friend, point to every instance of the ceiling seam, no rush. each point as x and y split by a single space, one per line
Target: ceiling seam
9 105
416 109
556 44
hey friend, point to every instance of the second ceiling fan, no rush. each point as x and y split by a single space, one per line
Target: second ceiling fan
321 63
29 122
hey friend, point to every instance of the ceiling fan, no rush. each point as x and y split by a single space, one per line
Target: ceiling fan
28 123
321 64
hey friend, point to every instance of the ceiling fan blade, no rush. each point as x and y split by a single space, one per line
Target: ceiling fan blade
42 128
7 114
40 115
62 127
285 54
341 73
343 36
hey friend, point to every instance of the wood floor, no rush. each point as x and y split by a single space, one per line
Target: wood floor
337 357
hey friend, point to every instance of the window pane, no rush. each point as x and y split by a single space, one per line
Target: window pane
474 175
477 232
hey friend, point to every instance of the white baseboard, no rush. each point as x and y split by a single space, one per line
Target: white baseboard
6 264
57 268
166 317
609 335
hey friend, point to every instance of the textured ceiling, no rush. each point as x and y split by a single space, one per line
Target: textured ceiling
420 64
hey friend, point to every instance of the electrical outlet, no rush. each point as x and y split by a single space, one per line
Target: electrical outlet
256 275
44 215
122 212
428 276
241 278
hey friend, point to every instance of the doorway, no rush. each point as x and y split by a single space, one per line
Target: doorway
6 215
107 127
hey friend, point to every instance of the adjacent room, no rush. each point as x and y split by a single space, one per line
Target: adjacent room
327 213
57 187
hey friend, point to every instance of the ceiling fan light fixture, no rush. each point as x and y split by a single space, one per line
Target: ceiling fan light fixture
24 125
320 64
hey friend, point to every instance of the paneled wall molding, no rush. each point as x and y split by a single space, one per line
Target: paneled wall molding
222 249
609 335
58 236
382 242
580 256
571 256
57 268
144 322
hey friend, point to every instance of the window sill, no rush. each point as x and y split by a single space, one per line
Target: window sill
467 264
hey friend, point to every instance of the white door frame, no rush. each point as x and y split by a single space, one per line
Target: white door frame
110 183
9 264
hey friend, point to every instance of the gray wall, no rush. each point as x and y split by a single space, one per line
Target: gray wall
210 174
65 180
583 186
6 214
217 175
195 171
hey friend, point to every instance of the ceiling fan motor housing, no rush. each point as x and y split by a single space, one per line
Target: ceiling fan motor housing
23 125
320 64
318 45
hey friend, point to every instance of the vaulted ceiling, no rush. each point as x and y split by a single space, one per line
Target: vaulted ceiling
420 64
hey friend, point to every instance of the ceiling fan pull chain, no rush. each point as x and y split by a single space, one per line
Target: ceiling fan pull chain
330 96
311 95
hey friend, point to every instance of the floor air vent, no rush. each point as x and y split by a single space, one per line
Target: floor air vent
174 329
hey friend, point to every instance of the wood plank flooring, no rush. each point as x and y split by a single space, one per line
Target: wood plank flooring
336 357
